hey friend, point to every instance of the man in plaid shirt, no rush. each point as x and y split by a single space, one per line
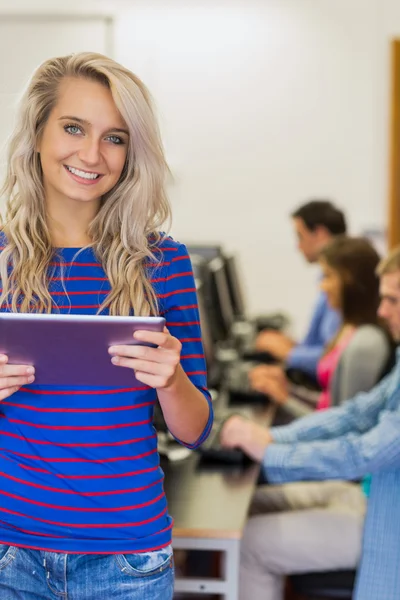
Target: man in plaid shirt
360 438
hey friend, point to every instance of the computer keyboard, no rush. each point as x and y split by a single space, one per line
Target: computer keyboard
237 383
213 452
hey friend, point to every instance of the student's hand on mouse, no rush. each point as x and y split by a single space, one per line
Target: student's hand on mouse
274 342
247 435
262 372
12 377
270 380
156 367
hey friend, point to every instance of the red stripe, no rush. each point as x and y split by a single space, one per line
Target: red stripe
180 308
174 276
86 525
114 476
69 306
183 340
188 373
87 510
183 291
99 461
185 257
167 249
79 279
78 428
158 264
184 357
75 264
35 533
88 293
88 494
78 410
83 392
72 492
105 444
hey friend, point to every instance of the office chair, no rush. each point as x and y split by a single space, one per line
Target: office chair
323 586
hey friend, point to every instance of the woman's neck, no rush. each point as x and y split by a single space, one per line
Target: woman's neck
69 223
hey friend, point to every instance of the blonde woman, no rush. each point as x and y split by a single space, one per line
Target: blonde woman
83 513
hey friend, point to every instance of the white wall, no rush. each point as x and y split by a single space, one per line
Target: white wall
264 104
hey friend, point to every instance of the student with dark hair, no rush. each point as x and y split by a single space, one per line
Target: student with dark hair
316 224
357 354
318 215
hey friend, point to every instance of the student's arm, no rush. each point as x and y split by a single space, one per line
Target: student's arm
323 326
285 455
357 415
176 366
349 457
186 405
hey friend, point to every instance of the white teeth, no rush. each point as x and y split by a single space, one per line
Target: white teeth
82 173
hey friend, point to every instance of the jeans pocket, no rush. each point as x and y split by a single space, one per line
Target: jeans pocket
7 554
146 564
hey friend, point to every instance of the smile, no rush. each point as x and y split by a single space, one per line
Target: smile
85 175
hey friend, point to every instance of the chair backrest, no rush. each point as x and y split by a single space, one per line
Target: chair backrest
366 359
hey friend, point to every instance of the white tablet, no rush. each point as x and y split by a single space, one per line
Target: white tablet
72 349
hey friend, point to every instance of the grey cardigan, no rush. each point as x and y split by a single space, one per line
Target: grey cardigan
358 370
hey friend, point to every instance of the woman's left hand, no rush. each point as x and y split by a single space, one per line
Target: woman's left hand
156 367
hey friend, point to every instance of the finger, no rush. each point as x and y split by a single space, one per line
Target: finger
162 339
7 392
158 355
3 359
152 368
153 381
7 382
7 370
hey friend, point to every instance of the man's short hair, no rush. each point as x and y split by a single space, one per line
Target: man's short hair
390 264
321 213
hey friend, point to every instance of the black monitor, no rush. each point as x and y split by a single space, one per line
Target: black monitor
234 285
206 251
205 323
221 299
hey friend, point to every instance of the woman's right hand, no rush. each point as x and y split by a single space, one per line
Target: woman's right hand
12 377
270 380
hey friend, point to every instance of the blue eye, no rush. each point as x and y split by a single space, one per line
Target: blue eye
72 129
115 140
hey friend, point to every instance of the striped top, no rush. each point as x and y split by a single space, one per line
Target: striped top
79 466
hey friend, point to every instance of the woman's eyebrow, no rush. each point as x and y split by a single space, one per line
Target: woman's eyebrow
85 122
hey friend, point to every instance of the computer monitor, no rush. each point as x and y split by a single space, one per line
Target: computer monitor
206 251
206 335
221 298
234 285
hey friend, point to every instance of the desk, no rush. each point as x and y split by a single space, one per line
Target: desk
209 505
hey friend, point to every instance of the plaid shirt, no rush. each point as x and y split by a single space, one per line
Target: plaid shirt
361 437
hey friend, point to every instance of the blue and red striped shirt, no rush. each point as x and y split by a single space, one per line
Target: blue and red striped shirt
79 467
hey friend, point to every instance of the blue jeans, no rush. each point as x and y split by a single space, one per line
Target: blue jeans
37 575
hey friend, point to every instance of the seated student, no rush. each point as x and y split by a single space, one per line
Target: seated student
316 223
360 437
356 356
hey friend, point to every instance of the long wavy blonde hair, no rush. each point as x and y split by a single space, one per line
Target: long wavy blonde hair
125 231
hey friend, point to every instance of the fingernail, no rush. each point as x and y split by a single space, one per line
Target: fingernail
30 379
115 360
111 350
30 370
